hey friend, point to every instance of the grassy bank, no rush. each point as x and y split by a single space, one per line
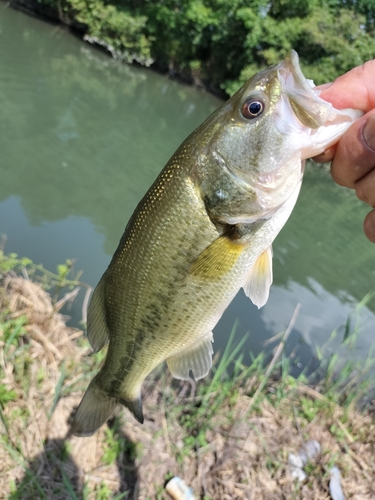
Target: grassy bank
227 437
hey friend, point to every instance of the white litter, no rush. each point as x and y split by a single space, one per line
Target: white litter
335 484
309 451
178 489
296 467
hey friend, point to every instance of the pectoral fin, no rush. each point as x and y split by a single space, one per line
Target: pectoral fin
198 359
259 279
217 259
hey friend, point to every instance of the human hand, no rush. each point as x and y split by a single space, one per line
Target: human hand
353 157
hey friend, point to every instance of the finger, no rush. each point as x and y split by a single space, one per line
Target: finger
355 89
355 152
327 155
369 226
365 188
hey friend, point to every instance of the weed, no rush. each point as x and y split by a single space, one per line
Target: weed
6 395
191 435
310 409
68 485
102 492
116 444
112 447
58 389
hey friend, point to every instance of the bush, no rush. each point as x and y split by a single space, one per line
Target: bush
222 42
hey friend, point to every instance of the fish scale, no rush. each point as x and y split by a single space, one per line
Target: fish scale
168 187
203 230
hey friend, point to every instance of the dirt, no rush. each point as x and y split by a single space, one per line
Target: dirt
240 458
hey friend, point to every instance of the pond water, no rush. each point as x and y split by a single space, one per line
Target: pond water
82 137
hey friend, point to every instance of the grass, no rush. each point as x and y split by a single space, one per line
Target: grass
227 436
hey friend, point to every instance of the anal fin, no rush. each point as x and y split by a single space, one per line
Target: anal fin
197 358
259 279
97 329
135 406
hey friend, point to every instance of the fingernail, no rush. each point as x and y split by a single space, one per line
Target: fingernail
369 132
320 88
325 86
369 226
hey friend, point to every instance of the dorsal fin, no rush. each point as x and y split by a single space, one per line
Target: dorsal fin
97 329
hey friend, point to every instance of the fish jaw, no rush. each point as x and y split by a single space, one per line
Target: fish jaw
302 114
263 158
308 125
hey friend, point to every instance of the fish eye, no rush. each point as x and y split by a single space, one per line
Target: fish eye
252 108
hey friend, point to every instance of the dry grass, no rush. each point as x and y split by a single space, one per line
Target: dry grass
186 431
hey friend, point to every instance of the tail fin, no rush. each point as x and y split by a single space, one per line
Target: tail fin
95 408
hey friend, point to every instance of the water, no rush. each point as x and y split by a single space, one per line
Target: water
82 137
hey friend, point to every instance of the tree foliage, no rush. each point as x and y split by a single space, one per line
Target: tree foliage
223 42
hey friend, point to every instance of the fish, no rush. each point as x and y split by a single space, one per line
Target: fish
203 231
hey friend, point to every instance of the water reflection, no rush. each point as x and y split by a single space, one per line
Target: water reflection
80 133
324 240
82 137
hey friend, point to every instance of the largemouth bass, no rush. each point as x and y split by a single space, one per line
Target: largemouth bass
204 230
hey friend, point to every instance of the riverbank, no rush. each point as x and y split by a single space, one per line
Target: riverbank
226 437
219 44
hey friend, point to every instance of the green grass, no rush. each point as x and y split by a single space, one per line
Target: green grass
215 408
